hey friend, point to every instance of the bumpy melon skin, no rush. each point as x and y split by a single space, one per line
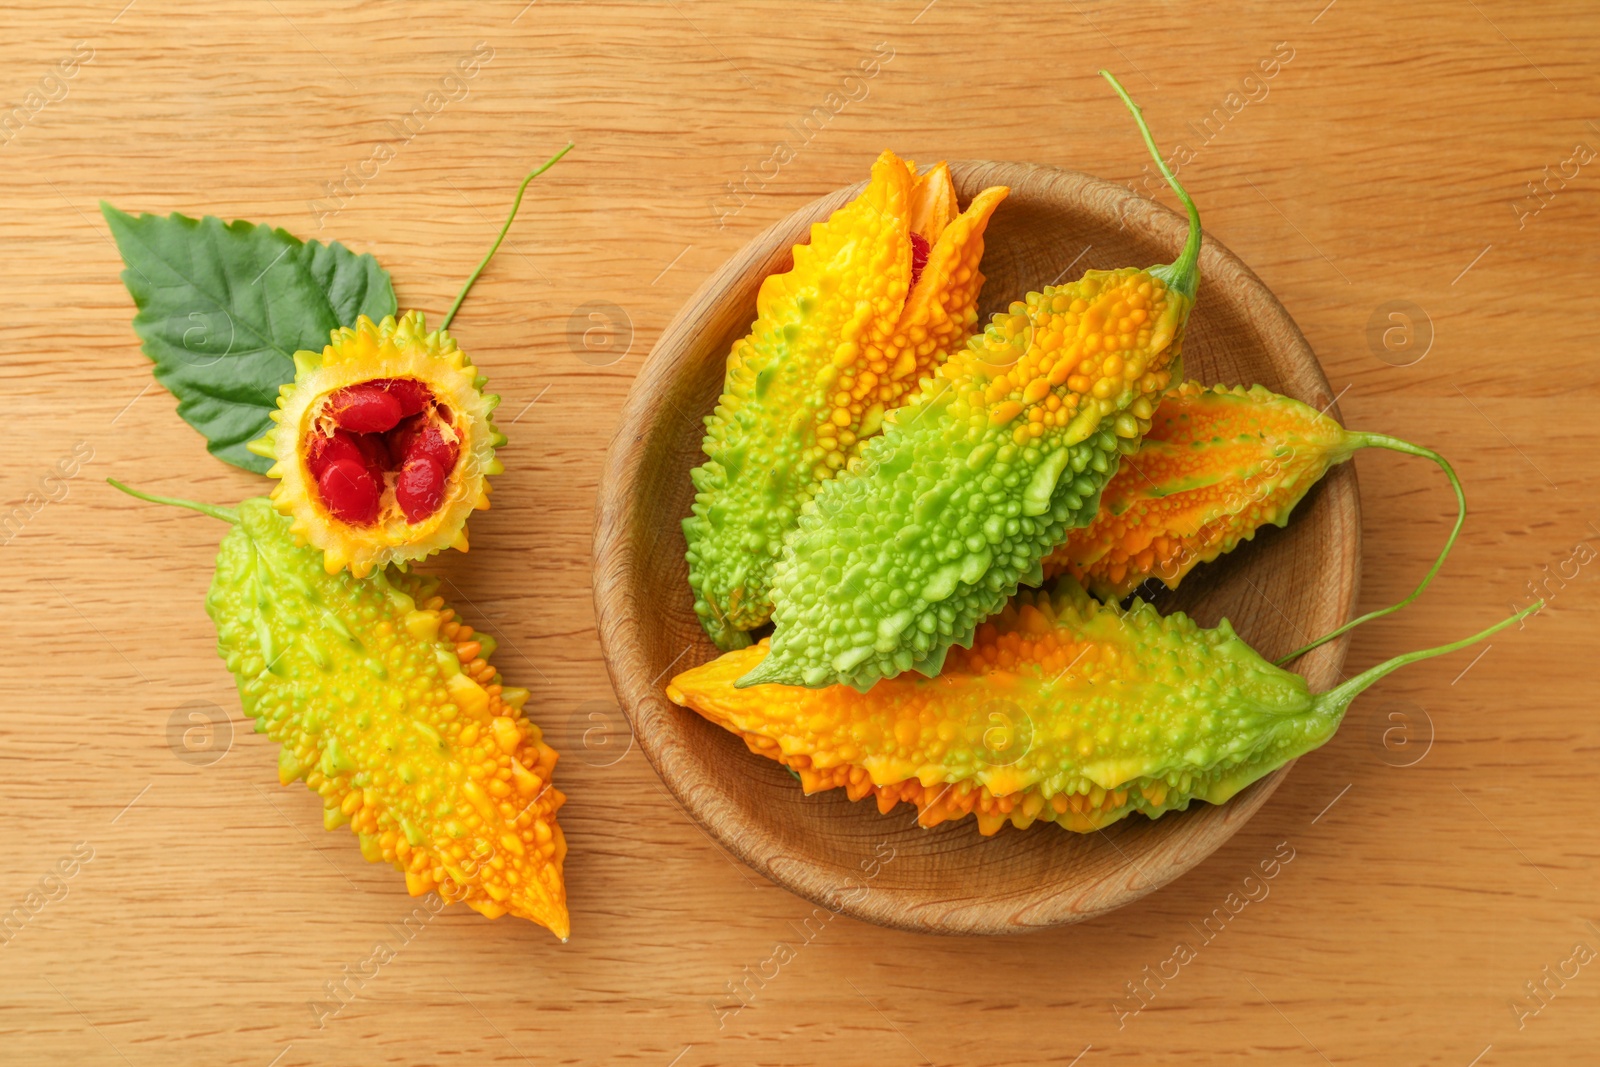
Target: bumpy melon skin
392 348
838 341
1218 464
1001 452
385 705
1064 710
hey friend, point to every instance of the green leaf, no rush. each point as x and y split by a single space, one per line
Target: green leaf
223 307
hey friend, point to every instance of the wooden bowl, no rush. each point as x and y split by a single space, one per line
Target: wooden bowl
1280 590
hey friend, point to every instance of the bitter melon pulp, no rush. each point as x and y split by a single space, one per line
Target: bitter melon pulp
1001 452
382 444
885 289
385 705
1063 710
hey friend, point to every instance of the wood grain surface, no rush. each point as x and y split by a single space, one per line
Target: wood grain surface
1378 182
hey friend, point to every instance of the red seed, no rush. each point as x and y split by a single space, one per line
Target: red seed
349 491
325 450
374 454
364 408
420 488
919 256
398 439
414 397
419 436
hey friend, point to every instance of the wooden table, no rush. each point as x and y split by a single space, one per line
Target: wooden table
1443 844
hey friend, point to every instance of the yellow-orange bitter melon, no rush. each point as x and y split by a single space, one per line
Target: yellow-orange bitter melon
1217 464
885 289
1063 710
382 445
1000 453
384 704
384 442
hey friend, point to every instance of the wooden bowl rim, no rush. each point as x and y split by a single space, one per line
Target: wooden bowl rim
643 700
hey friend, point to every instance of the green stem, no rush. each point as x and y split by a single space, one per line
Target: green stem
1335 700
1378 440
484 262
227 515
1183 274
